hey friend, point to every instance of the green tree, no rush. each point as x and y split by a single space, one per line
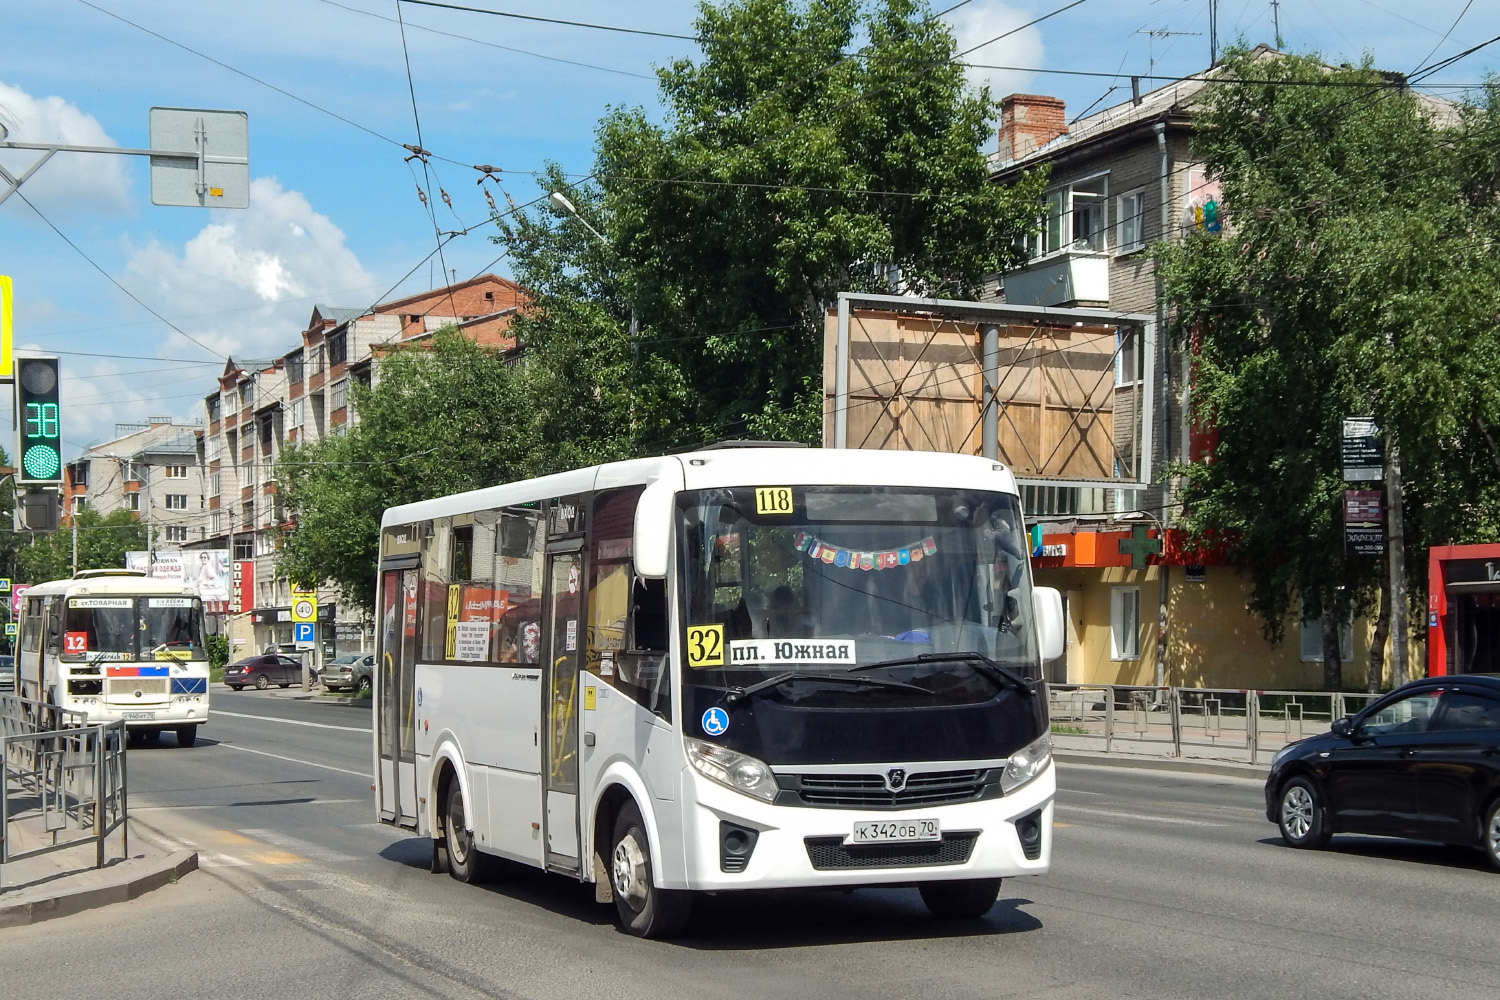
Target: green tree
442 418
103 541
1354 275
790 165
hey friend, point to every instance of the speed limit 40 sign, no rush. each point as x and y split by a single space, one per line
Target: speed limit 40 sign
304 605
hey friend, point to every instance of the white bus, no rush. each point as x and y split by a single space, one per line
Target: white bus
738 668
116 645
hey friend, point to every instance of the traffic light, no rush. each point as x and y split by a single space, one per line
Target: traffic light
38 433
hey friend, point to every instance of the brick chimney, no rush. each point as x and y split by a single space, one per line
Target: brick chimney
1028 121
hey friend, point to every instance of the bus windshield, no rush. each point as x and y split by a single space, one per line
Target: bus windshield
132 627
824 580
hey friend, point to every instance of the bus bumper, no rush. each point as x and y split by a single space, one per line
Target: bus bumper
798 846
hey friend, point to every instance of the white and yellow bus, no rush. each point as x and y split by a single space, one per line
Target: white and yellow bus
116 646
739 668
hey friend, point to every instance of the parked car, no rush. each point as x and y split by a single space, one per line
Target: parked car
1423 762
350 672
263 671
7 672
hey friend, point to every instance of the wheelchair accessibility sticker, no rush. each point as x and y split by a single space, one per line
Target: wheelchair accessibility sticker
715 721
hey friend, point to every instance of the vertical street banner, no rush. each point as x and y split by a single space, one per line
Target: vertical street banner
242 587
1364 523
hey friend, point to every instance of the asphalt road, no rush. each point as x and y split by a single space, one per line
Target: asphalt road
1163 885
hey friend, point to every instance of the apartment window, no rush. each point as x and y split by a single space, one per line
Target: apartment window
338 348
338 395
79 503
177 533
175 471
294 367
212 405
215 523
294 421
1059 500
177 501
1125 623
1312 639
247 395
215 484
1130 228
80 474
1129 359
244 548
133 501
1073 217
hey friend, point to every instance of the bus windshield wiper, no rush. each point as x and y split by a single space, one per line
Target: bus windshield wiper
737 694
995 671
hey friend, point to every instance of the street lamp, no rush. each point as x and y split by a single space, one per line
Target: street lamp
562 204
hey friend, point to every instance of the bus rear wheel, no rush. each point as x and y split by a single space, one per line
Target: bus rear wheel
967 899
187 735
465 861
644 910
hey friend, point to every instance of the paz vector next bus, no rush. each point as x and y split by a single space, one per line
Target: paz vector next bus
117 646
738 668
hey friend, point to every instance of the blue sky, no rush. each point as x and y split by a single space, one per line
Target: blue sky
335 216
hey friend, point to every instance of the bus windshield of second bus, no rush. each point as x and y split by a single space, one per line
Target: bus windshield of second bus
841 601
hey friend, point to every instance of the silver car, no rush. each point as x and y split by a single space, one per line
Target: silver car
7 672
350 672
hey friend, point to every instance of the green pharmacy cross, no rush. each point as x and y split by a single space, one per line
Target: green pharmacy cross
1138 547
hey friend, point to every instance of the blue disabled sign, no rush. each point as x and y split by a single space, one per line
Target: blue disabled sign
715 721
302 633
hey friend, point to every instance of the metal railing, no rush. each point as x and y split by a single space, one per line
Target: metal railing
1193 722
62 778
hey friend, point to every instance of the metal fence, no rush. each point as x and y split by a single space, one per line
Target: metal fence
1192 722
63 779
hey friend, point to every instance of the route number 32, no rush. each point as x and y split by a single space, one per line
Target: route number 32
705 646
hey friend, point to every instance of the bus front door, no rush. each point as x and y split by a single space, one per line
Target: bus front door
565 619
396 676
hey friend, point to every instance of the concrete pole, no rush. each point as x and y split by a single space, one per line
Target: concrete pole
1395 529
991 360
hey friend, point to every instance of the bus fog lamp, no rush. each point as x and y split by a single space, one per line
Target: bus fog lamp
1025 764
730 769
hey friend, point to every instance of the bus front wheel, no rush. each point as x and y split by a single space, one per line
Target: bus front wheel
968 899
465 861
644 910
187 735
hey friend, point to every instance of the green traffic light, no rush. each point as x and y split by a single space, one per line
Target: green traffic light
41 462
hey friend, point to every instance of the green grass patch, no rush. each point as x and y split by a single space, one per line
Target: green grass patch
1063 730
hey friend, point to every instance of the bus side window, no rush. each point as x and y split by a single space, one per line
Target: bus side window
648 616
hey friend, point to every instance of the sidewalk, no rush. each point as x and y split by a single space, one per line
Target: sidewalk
66 881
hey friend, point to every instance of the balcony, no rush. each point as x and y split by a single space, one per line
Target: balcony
1070 278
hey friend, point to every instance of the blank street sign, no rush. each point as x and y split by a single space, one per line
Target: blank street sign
218 176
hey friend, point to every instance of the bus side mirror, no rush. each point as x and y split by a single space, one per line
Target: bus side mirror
652 545
1047 612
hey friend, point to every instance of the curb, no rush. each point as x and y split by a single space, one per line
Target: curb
117 885
1229 769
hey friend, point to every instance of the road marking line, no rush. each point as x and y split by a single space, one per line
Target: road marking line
1144 818
297 760
290 722
307 847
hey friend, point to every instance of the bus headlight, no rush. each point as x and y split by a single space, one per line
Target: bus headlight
1026 763
733 770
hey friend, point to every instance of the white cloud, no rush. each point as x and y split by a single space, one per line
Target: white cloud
246 283
70 185
977 23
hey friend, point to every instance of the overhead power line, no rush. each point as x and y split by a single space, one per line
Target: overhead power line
548 20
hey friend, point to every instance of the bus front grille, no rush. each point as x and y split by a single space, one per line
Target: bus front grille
869 791
124 689
831 853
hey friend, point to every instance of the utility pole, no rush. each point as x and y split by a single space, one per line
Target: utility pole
1276 22
1213 33
1396 554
